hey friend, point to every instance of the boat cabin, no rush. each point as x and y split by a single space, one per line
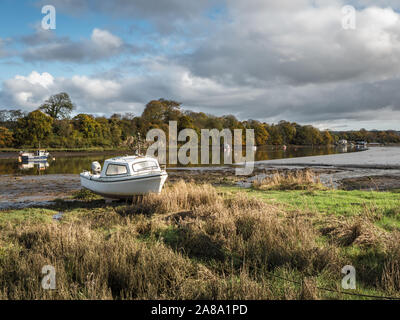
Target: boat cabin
129 166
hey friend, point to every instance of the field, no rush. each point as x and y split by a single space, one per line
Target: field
196 241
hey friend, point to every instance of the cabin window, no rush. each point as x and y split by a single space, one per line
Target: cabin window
116 169
144 165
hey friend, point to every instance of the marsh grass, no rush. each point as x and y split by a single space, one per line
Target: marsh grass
291 180
195 242
85 194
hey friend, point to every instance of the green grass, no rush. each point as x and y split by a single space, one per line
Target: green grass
85 194
210 242
338 202
29 215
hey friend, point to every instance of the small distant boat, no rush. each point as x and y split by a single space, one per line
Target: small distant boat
124 177
38 156
361 145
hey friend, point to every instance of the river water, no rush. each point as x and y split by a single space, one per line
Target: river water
74 164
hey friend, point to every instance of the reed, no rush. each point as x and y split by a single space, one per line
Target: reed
292 180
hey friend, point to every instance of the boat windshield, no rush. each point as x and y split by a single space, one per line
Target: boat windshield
145 165
116 169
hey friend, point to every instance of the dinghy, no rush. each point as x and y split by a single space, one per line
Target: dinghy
124 177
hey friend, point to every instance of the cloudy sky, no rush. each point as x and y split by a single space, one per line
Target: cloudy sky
261 59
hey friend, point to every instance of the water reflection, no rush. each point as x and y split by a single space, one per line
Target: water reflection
74 164
34 166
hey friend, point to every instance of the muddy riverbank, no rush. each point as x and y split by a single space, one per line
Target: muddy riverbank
26 191
374 169
373 158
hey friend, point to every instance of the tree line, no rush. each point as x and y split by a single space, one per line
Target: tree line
52 126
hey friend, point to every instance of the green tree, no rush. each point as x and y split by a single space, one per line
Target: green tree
275 135
157 111
116 134
58 106
86 124
34 129
288 131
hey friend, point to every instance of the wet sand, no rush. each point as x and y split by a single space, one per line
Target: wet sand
23 191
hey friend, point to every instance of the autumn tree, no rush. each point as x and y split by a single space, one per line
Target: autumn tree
260 132
327 137
6 138
58 106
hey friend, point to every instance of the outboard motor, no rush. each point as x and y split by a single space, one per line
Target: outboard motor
96 167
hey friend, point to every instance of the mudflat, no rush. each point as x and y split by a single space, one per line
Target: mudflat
373 158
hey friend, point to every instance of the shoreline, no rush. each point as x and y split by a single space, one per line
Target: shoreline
374 158
375 169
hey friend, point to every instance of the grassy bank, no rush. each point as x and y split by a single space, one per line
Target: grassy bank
201 242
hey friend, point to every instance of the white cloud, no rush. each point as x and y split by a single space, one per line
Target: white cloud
27 92
95 89
264 59
45 79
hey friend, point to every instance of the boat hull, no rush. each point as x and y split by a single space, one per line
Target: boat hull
126 187
34 158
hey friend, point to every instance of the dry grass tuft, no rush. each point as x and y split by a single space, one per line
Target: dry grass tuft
179 196
309 289
89 267
358 231
292 180
390 280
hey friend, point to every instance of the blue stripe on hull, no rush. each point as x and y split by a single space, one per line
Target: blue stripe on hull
34 158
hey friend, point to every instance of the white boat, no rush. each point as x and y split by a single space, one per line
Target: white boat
39 155
124 177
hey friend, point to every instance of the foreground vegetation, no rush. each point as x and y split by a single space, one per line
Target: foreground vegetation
51 126
200 242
